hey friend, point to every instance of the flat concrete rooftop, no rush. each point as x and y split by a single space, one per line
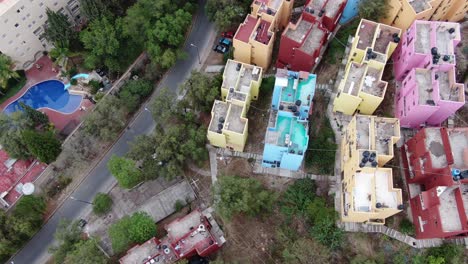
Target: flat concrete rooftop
332 7
458 138
373 84
422 40
312 41
450 217
435 147
235 122
366 33
425 90
354 78
419 5
298 34
219 110
384 37
246 28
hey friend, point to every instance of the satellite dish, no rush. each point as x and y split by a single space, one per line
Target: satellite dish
28 188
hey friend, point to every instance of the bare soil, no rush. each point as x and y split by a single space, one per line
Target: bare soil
258 116
326 71
386 108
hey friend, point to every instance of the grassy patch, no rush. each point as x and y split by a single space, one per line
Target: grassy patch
336 48
322 147
13 87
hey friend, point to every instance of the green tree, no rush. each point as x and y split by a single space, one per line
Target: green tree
11 139
107 119
94 9
373 9
67 234
102 204
297 197
43 145
125 171
86 252
328 234
235 195
202 90
136 228
60 54
59 29
133 93
6 71
406 227
163 106
36 118
102 39
449 253
143 150
227 13
305 250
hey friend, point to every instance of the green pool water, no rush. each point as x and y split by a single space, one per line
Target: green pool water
305 89
287 95
299 135
283 126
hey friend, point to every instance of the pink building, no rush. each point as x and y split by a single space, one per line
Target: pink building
428 97
424 66
428 45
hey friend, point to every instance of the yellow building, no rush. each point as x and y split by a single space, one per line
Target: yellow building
253 41
402 13
362 88
229 126
368 195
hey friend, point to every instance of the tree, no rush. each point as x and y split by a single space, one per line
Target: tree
305 250
163 106
449 253
60 54
227 13
107 119
93 9
373 9
43 145
86 252
297 197
326 232
11 128
67 234
143 150
6 71
102 204
102 39
59 29
235 195
133 93
36 118
136 228
201 90
125 171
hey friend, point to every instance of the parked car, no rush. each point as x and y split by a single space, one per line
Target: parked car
225 41
220 48
227 34
82 223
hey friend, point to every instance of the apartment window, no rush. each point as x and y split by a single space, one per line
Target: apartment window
29 26
34 22
41 16
37 31
75 8
41 4
56 3
16 25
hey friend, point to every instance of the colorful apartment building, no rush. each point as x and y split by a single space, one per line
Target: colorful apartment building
350 11
362 88
228 127
194 234
402 13
253 41
303 41
287 135
428 45
435 163
428 97
368 195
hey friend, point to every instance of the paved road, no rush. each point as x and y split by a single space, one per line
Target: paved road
100 179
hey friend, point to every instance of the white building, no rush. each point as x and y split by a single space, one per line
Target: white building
22 25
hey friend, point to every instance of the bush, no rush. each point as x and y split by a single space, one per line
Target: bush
406 227
72 72
267 86
297 197
98 96
13 86
179 205
136 228
73 82
95 86
450 253
102 204
324 139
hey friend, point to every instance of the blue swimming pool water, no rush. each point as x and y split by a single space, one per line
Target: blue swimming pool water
50 94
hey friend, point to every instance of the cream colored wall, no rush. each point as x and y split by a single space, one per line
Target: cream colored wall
20 42
242 51
369 103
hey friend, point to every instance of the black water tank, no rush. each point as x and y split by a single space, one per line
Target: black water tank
369 51
446 58
366 153
451 30
294 108
373 155
374 164
365 160
221 119
396 39
378 205
220 126
281 107
298 102
371 159
401 207
297 114
361 165
436 76
434 51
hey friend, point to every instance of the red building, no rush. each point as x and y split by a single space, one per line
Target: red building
436 171
194 234
303 40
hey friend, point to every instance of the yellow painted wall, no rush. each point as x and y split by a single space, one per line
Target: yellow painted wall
261 53
215 139
369 103
346 103
457 11
242 51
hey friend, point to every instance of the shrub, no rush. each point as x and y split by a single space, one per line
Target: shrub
73 82
406 227
136 228
296 198
179 205
450 253
72 72
102 204
95 85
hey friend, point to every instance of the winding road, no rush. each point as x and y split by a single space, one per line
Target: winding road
100 179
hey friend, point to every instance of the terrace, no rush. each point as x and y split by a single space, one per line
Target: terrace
245 29
219 111
271 5
332 7
262 33
299 33
289 132
354 78
434 144
423 79
420 5
238 77
385 195
423 37
448 209
372 82
149 252
312 41
315 6
444 39
235 122
449 91
363 192
384 130
363 132
458 138
366 33
385 35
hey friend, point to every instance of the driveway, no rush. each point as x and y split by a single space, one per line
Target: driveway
100 179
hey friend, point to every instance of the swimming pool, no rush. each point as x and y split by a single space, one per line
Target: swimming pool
48 94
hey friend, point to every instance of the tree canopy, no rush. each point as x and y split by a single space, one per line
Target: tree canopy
373 9
43 145
86 252
202 90
102 204
59 30
11 139
6 70
94 9
305 250
36 118
125 171
235 195
136 228
227 13
134 92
